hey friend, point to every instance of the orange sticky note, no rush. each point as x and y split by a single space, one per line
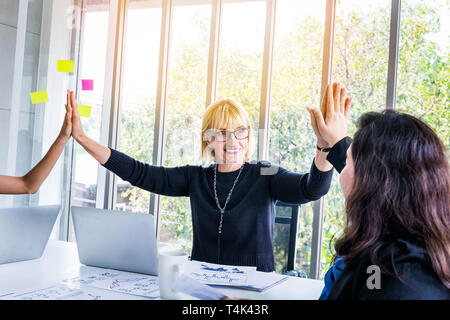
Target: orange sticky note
39 97
65 65
84 111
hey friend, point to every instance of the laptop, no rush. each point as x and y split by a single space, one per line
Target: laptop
24 232
116 239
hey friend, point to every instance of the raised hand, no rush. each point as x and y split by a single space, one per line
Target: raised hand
331 127
321 142
99 152
66 129
77 129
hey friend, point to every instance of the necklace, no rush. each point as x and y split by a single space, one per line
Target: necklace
222 210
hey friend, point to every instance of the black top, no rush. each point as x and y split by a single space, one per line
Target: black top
248 221
415 278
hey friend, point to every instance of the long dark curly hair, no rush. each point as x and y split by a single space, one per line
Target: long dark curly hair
401 188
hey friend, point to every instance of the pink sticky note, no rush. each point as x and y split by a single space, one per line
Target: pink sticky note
87 85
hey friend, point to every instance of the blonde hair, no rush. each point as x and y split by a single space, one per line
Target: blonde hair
220 115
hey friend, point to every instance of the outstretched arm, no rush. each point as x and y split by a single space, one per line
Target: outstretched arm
31 182
160 180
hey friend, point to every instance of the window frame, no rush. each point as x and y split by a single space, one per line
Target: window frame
113 75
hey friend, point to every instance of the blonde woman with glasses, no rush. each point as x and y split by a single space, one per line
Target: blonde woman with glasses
232 199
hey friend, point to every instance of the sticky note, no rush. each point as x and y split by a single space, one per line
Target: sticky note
65 65
87 85
38 97
84 111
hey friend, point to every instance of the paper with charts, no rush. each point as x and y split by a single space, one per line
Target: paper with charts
218 274
55 292
119 281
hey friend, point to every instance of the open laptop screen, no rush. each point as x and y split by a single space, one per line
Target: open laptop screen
24 232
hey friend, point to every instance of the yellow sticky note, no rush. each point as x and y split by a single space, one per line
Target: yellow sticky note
84 111
65 65
38 97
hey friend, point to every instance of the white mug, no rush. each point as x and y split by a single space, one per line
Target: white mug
171 265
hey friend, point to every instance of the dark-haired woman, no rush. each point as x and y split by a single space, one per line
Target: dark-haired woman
396 183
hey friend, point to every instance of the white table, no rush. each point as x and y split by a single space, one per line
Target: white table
60 261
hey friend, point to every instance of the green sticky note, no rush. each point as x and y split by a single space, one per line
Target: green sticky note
38 97
84 111
65 66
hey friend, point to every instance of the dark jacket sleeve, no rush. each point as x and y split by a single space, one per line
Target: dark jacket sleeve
156 179
299 188
338 153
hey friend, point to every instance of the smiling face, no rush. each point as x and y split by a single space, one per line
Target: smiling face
226 133
230 145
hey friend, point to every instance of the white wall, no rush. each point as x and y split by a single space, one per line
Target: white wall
56 44
30 45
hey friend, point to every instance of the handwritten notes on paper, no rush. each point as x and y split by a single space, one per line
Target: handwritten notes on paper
119 281
55 292
92 285
211 273
65 65
235 276
38 97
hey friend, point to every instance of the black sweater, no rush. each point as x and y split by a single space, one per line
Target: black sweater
415 278
248 221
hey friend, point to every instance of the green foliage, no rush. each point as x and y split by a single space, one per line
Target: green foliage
359 63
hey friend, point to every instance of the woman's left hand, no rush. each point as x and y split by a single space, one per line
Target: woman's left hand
332 125
66 129
321 142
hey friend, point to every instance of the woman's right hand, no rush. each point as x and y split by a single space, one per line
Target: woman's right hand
77 129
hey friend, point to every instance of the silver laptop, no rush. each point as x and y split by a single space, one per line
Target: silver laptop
24 232
116 239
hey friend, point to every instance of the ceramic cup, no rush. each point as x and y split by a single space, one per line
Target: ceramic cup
171 265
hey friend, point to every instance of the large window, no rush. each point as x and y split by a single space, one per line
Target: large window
138 96
240 56
296 84
423 68
92 67
169 68
185 107
360 63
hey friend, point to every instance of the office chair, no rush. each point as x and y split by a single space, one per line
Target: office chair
287 220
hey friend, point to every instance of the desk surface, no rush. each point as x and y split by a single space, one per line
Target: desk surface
60 261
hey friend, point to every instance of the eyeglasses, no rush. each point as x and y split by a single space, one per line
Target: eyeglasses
221 135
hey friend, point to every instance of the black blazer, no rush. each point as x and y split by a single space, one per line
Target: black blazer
415 278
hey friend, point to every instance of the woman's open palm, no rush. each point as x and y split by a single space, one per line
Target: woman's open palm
66 129
77 129
331 121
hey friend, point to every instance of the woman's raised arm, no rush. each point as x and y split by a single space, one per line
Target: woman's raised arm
157 179
31 182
